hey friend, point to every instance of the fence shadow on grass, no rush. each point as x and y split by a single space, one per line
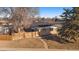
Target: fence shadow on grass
55 38
50 36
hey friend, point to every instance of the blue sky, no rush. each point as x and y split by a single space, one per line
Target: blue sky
51 11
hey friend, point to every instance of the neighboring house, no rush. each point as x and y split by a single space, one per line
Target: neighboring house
45 28
4 30
5 26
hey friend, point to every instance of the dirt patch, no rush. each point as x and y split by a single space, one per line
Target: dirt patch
23 43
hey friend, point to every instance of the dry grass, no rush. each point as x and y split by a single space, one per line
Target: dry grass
67 46
53 43
7 42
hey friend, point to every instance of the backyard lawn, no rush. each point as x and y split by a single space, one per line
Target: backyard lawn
36 43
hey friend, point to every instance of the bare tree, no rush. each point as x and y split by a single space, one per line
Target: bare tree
23 17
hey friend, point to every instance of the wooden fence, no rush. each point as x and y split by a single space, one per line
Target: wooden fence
25 35
5 37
